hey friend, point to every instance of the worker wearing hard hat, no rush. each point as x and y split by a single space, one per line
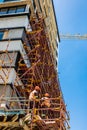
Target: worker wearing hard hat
46 103
33 96
46 100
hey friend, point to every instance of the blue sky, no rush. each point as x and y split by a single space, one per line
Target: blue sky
72 18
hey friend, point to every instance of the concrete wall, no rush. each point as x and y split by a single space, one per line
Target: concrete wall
15 33
7 95
9 59
15 46
16 21
7 76
5 91
12 46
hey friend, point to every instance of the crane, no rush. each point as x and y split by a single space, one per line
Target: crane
73 36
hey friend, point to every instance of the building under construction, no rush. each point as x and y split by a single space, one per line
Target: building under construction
29 41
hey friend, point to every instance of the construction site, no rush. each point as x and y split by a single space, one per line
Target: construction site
29 40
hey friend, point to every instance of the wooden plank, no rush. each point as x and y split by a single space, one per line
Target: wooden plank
5 118
16 124
22 124
14 118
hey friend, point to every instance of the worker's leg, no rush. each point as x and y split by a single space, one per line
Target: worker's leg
31 104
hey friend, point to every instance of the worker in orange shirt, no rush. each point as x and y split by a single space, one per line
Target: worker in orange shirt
33 96
46 104
46 100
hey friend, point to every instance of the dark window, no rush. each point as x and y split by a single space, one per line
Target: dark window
57 44
56 53
3 11
56 63
11 10
20 9
1 35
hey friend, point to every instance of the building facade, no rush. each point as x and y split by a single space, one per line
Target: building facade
29 41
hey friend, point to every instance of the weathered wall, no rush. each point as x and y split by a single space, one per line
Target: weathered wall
7 75
16 21
7 60
15 46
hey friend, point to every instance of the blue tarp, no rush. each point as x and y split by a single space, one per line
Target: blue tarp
2 112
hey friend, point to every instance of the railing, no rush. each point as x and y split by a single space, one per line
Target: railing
56 113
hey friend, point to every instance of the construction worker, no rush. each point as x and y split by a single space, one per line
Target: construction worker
33 96
46 100
46 103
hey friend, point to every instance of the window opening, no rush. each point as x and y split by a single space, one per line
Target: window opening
3 11
12 10
1 34
56 53
20 9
